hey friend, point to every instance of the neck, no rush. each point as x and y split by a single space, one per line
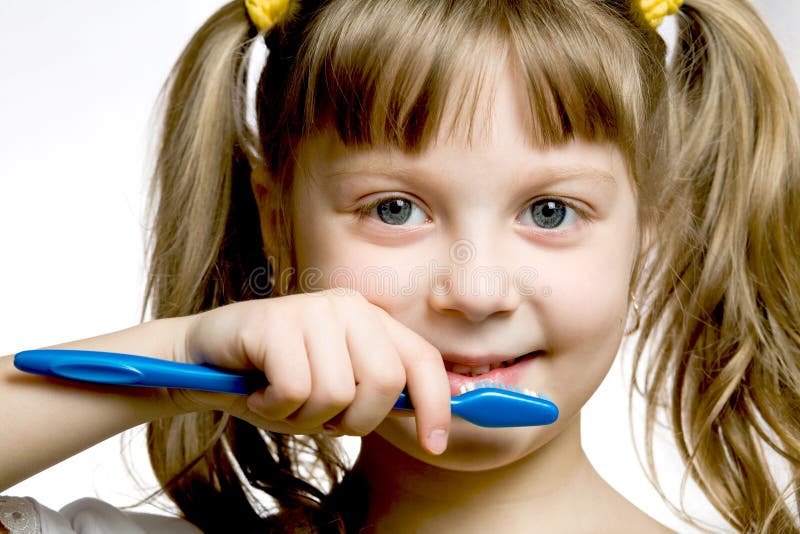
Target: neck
407 494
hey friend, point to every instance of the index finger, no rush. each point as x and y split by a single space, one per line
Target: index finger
427 383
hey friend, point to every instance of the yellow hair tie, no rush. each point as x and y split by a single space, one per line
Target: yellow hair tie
654 11
267 13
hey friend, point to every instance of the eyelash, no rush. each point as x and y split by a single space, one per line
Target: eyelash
365 211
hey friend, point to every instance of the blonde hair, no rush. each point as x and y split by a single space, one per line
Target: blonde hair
591 69
723 317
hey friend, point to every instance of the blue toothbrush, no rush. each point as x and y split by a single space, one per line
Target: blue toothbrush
495 405
486 403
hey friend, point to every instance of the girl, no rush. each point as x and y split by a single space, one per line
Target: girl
565 120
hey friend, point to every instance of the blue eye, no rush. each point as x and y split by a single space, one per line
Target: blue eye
394 211
548 213
551 213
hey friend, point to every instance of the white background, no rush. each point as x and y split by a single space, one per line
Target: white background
78 82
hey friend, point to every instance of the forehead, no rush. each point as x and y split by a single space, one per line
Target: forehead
502 169
493 132
484 105
492 110
405 84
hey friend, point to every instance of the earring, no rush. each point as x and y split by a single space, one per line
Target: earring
255 280
636 315
281 274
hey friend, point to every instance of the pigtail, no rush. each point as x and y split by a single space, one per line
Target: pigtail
725 317
206 244
199 159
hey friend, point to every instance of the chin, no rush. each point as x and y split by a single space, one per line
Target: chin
469 447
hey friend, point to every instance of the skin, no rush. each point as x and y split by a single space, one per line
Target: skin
475 199
328 356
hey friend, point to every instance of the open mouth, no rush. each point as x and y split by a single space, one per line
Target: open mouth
466 370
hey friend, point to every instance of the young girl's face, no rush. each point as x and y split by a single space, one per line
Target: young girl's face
488 251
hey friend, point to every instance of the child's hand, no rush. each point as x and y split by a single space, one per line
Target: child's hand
333 360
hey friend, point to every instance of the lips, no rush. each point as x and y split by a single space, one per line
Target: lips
477 370
508 372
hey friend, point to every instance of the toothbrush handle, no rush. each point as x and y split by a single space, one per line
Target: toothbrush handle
403 402
487 407
130 370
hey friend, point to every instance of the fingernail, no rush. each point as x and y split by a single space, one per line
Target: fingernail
437 440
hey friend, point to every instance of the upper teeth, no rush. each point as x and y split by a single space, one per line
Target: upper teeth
466 370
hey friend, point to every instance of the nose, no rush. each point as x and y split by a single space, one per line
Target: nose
471 285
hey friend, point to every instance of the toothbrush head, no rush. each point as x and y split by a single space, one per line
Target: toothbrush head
496 405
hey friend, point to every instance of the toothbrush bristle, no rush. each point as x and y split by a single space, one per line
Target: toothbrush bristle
481 384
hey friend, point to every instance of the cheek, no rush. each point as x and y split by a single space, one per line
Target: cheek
327 260
584 319
331 250
372 271
327 256
589 286
587 300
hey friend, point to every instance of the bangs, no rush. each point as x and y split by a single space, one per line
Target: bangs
383 72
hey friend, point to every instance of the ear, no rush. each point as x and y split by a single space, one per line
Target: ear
266 197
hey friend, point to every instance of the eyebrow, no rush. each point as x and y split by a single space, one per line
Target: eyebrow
581 172
547 175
